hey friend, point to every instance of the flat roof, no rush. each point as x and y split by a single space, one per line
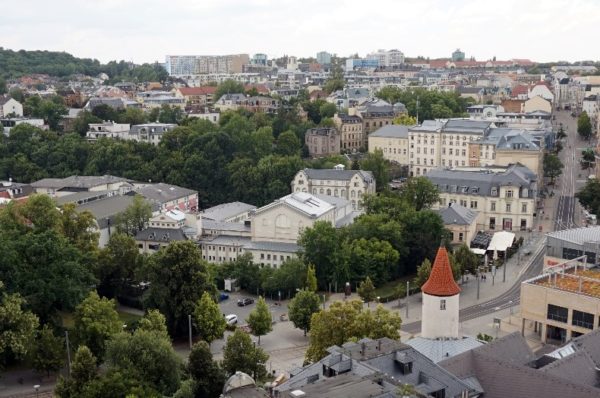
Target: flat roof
578 235
569 281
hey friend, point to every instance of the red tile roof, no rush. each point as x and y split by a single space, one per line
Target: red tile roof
261 88
441 282
185 91
519 90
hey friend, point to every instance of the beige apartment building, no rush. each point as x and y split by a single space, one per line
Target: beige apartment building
460 222
351 185
322 141
351 129
392 140
505 196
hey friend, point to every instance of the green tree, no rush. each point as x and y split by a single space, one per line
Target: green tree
311 278
440 111
117 263
42 213
420 192
366 290
48 352
347 320
378 165
260 319
239 354
228 87
148 355
588 156
405 120
584 126
95 322
79 228
209 320
178 276
301 308
288 144
327 110
467 259
17 326
423 272
552 166
3 87
135 217
589 196
81 124
320 246
83 371
208 376
372 258
155 322
133 116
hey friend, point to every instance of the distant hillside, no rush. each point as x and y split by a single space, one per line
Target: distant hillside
15 64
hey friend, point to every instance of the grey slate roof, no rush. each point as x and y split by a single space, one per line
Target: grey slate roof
77 182
466 126
163 193
391 131
337 175
160 235
456 214
440 349
226 210
507 138
481 181
577 367
500 367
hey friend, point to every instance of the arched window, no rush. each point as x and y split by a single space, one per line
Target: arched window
343 193
353 194
335 192
321 191
314 191
329 192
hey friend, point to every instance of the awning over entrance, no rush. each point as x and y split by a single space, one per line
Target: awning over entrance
501 241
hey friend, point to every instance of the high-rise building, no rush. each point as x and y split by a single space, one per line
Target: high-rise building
259 59
323 58
203 64
387 58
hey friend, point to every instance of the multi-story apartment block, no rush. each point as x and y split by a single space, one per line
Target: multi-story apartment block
505 196
107 130
253 104
392 140
443 143
377 113
351 185
351 129
322 141
150 132
203 64
389 58
156 99
323 58
196 97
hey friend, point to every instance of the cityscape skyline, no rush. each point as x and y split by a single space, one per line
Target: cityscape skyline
131 32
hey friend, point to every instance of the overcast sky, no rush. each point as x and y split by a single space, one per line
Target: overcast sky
147 30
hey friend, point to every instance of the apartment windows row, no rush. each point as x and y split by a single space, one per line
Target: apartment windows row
451 152
269 256
507 224
431 151
579 318
456 163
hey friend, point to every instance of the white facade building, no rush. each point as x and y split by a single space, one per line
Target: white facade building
387 58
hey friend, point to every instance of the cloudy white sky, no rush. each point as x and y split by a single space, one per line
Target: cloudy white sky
147 30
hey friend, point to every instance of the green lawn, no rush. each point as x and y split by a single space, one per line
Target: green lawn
387 290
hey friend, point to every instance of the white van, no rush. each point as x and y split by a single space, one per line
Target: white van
231 319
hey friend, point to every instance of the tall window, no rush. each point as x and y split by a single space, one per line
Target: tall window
443 305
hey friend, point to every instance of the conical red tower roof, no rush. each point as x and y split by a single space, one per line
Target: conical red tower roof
441 282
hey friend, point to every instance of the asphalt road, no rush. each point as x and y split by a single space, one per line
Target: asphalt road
507 299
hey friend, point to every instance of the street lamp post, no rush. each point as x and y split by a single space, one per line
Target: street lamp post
504 266
190 329
407 295
37 390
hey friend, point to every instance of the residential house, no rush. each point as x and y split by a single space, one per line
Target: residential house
392 140
156 99
377 113
253 104
461 222
351 130
9 107
504 195
322 141
107 130
163 229
541 89
151 133
351 185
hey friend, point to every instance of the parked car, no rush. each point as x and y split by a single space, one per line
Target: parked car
231 319
245 301
223 296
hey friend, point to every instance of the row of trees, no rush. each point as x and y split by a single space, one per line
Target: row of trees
60 64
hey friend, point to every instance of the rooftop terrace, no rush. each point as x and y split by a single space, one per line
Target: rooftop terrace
576 278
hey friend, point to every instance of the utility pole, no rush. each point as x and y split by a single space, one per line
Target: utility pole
190 329
504 266
477 282
407 295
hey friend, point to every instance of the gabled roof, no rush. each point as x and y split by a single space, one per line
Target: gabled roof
337 175
204 90
226 210
441 281
456 214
